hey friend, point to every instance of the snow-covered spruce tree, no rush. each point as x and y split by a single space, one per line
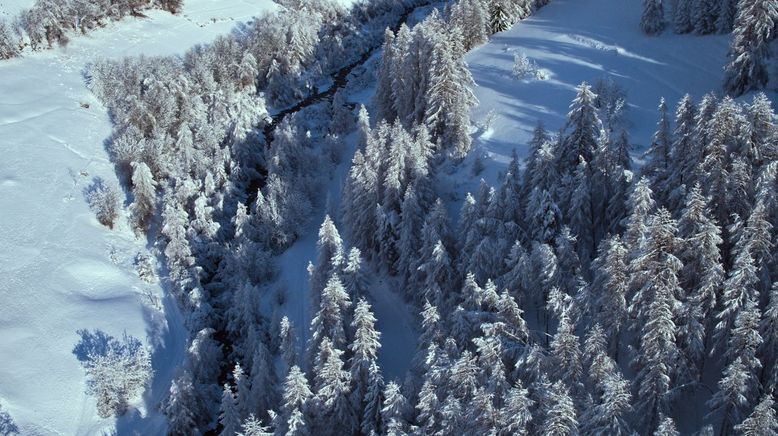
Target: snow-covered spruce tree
608 412
499 19
177 251
652 21
727 13
682 16
739 387
353 275
749 52
704 14
722 130
364 357
295 403
582 213
242 391
144 191
515 413
409 233
561 416
513 327
450 95
565 353
371 419
254 427
490 353
329 320
655 266
609 289
742 282
701 278
229 419
510 199
333 409
330 257
685 153
540 138
409 76
263 393
9 47
104 201
654 303
768 329
116 370
183 409
640 204
583 131
383 95
762 421
427 406
666 427
287 345
394 412
756 147
730 400
657 168
471 17
359 199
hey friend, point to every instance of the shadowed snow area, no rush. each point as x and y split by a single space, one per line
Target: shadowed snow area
585 40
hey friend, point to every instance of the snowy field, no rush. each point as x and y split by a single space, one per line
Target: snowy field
63 270
585 40
9 8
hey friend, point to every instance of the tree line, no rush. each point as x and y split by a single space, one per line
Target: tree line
50 22
753 24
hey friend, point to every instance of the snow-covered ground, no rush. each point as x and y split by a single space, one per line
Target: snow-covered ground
585 40
9 8
62 270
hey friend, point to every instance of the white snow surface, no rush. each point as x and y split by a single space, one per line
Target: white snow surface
62 270
10 8
585 40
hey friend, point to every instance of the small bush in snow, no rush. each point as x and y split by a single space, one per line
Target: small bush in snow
104 201
611 100
116 370
144 266
526 68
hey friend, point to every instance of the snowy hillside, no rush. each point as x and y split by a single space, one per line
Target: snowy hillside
588 40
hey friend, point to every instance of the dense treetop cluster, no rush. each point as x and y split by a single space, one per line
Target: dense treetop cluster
50 22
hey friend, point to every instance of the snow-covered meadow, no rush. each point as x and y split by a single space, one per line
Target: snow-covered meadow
576 41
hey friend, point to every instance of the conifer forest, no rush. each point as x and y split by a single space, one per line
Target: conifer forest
389 217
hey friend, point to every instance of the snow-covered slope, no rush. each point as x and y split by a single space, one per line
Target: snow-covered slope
585 40
9 8
62 270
